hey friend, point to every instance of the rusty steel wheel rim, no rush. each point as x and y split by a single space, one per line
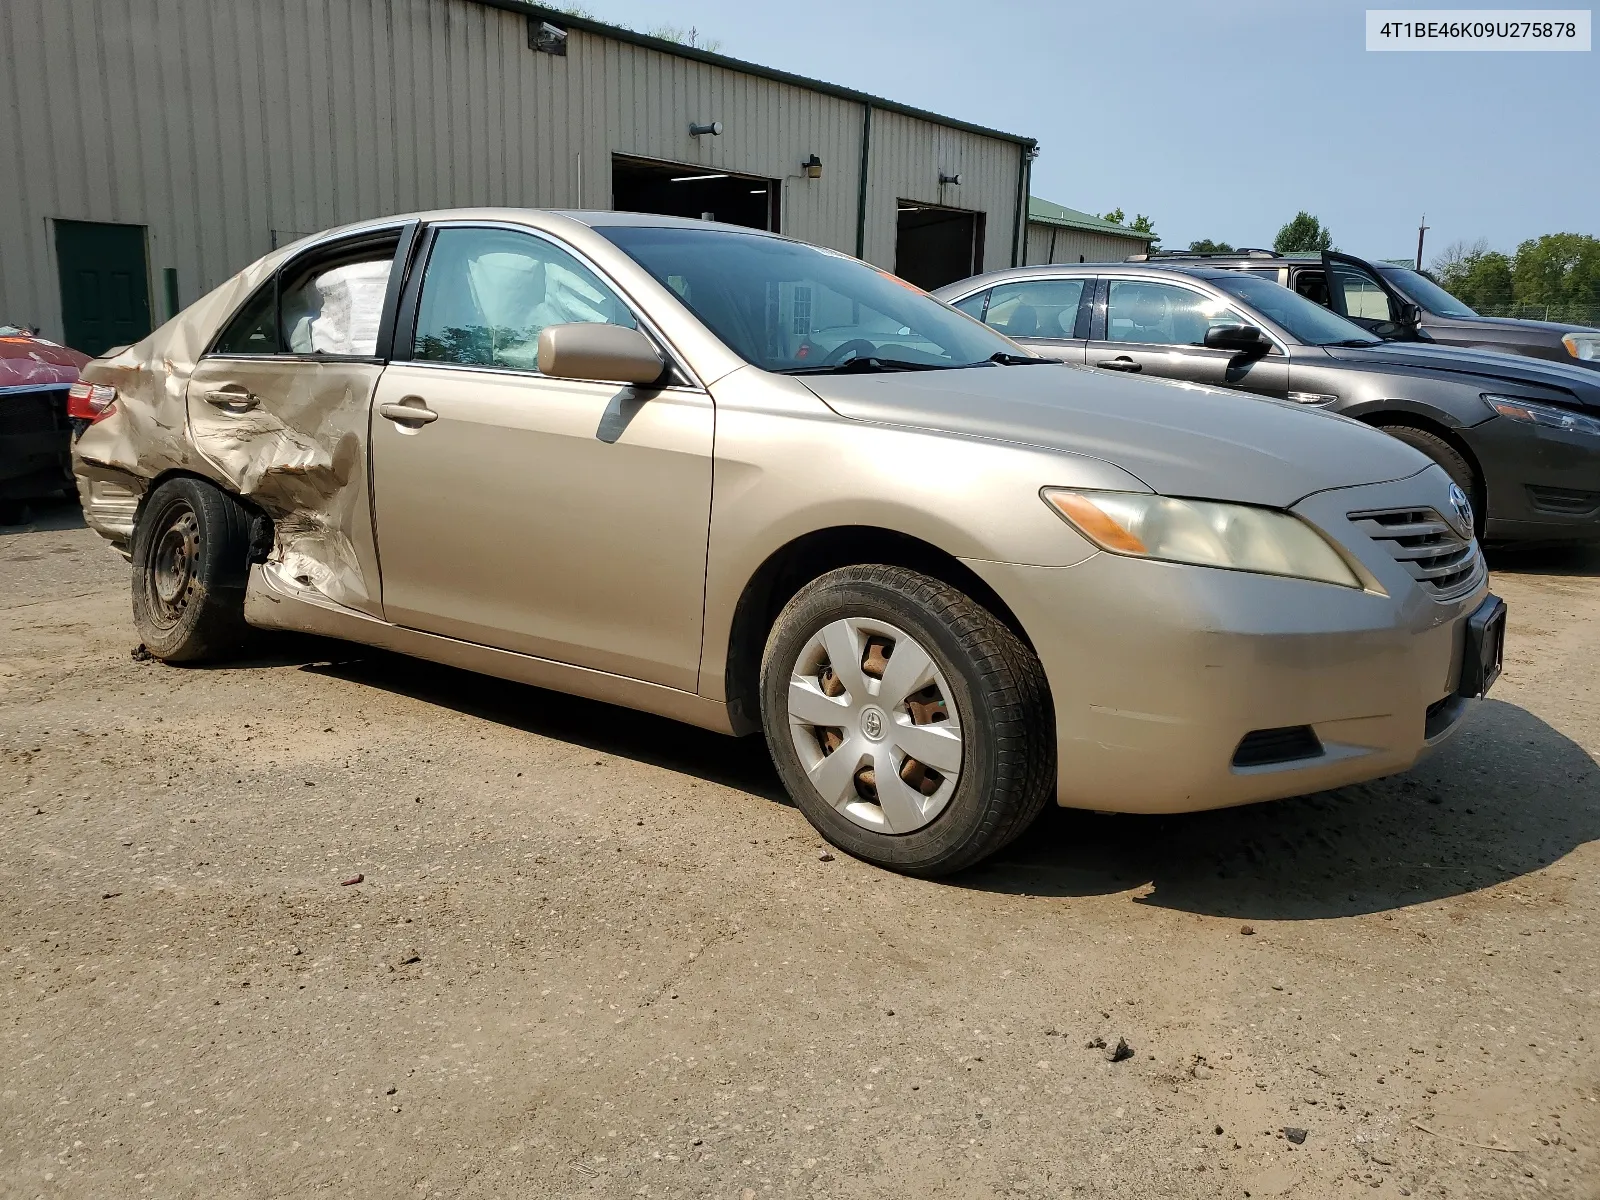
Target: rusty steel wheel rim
174 566
875 724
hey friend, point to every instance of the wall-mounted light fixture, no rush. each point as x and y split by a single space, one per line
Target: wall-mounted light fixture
812 167
944 179
714 129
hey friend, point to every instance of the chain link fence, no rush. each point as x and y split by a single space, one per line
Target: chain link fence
1567 314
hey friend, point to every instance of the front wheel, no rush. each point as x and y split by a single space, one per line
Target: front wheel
1454 463
909 725
191 559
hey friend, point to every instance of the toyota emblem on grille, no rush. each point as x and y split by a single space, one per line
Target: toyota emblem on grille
1463 510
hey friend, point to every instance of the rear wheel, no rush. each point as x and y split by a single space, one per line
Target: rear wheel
1454 463
910 726
191 559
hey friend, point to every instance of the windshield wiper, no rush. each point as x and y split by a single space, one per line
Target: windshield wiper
866 364
1007 359
1356 342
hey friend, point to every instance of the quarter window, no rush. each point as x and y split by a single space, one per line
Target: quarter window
973 305
254 330
1163 314
1036 308
488 293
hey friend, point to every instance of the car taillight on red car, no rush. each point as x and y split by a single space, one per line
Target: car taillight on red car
90 401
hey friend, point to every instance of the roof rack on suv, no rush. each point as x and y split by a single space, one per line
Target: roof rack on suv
1241 252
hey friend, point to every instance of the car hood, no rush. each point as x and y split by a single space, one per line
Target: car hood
1579 382
1555 327
1178 438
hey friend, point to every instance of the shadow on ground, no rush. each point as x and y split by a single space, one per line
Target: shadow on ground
36 516
1546 559
1508 796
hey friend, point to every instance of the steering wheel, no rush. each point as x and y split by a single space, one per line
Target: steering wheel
837 355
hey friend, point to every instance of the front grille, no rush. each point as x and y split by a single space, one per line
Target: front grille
1422 542
34 412
1266 747
1568 502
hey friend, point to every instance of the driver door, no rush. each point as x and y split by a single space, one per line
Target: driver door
558 518
1357 292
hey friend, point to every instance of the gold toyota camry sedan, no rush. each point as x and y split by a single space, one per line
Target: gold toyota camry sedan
755 485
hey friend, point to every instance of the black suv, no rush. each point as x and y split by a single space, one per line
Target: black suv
1521 436
1399 304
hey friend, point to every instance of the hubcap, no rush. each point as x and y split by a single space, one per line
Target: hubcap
875 726
173 565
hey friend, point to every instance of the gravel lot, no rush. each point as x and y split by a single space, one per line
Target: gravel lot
595 954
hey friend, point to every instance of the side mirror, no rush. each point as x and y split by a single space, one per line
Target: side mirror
606 353
1410 314
1242 339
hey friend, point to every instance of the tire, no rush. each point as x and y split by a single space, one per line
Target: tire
191 559
1454 463
995 780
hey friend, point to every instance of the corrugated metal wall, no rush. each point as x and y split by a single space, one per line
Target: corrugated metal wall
1054 243
217 122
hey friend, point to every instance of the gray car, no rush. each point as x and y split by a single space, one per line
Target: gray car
1520 436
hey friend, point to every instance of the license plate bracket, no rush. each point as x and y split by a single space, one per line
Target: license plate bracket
1484 651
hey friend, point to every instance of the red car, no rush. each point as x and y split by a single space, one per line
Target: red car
35 431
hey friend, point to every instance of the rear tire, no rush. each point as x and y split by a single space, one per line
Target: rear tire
1454 463
977 700
191 560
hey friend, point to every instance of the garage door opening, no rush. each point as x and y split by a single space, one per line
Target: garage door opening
674 190
936 246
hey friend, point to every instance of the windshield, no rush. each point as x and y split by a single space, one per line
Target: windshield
786 306
1424 291
1306 320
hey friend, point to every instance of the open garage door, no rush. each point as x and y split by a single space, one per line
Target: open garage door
935 246
674 190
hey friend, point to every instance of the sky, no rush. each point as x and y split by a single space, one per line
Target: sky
1219 120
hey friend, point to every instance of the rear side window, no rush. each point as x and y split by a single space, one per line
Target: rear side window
337 310
254 329
1036 308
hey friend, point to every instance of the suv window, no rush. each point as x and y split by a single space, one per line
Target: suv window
488 293
1144 311
1361 294
1039 308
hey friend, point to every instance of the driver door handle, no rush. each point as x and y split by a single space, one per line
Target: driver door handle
1121 363
238 399
408 414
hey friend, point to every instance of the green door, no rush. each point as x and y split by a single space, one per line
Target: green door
105 286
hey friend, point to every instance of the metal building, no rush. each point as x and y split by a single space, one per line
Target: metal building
154 147
1064 235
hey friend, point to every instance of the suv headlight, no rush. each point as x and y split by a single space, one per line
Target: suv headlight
1582 345
1236 537
1545 415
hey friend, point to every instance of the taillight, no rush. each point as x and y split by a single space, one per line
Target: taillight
90 401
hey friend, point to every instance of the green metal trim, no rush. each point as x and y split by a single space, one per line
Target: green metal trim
1022 204
619 34
861 197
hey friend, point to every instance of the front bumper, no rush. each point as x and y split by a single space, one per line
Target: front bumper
1159 671
1543 484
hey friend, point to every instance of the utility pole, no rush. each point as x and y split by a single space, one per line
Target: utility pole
1421 230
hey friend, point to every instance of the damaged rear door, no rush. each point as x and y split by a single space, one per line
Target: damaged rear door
559 518
279 406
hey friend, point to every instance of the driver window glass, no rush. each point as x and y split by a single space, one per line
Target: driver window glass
1163 314
255 329
1363 297
1038 308
488 293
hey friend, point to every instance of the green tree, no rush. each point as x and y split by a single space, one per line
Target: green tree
1207 246
1141 224
1304 234
1558 268
1474 273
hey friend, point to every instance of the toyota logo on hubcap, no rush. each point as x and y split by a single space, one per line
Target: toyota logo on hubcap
872 723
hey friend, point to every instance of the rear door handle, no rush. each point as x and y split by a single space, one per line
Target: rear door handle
408 414
1119 364
238 399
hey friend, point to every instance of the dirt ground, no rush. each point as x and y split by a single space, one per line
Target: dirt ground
594 954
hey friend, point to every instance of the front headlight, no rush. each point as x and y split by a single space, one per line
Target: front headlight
1583 345
1545 415
1237 537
